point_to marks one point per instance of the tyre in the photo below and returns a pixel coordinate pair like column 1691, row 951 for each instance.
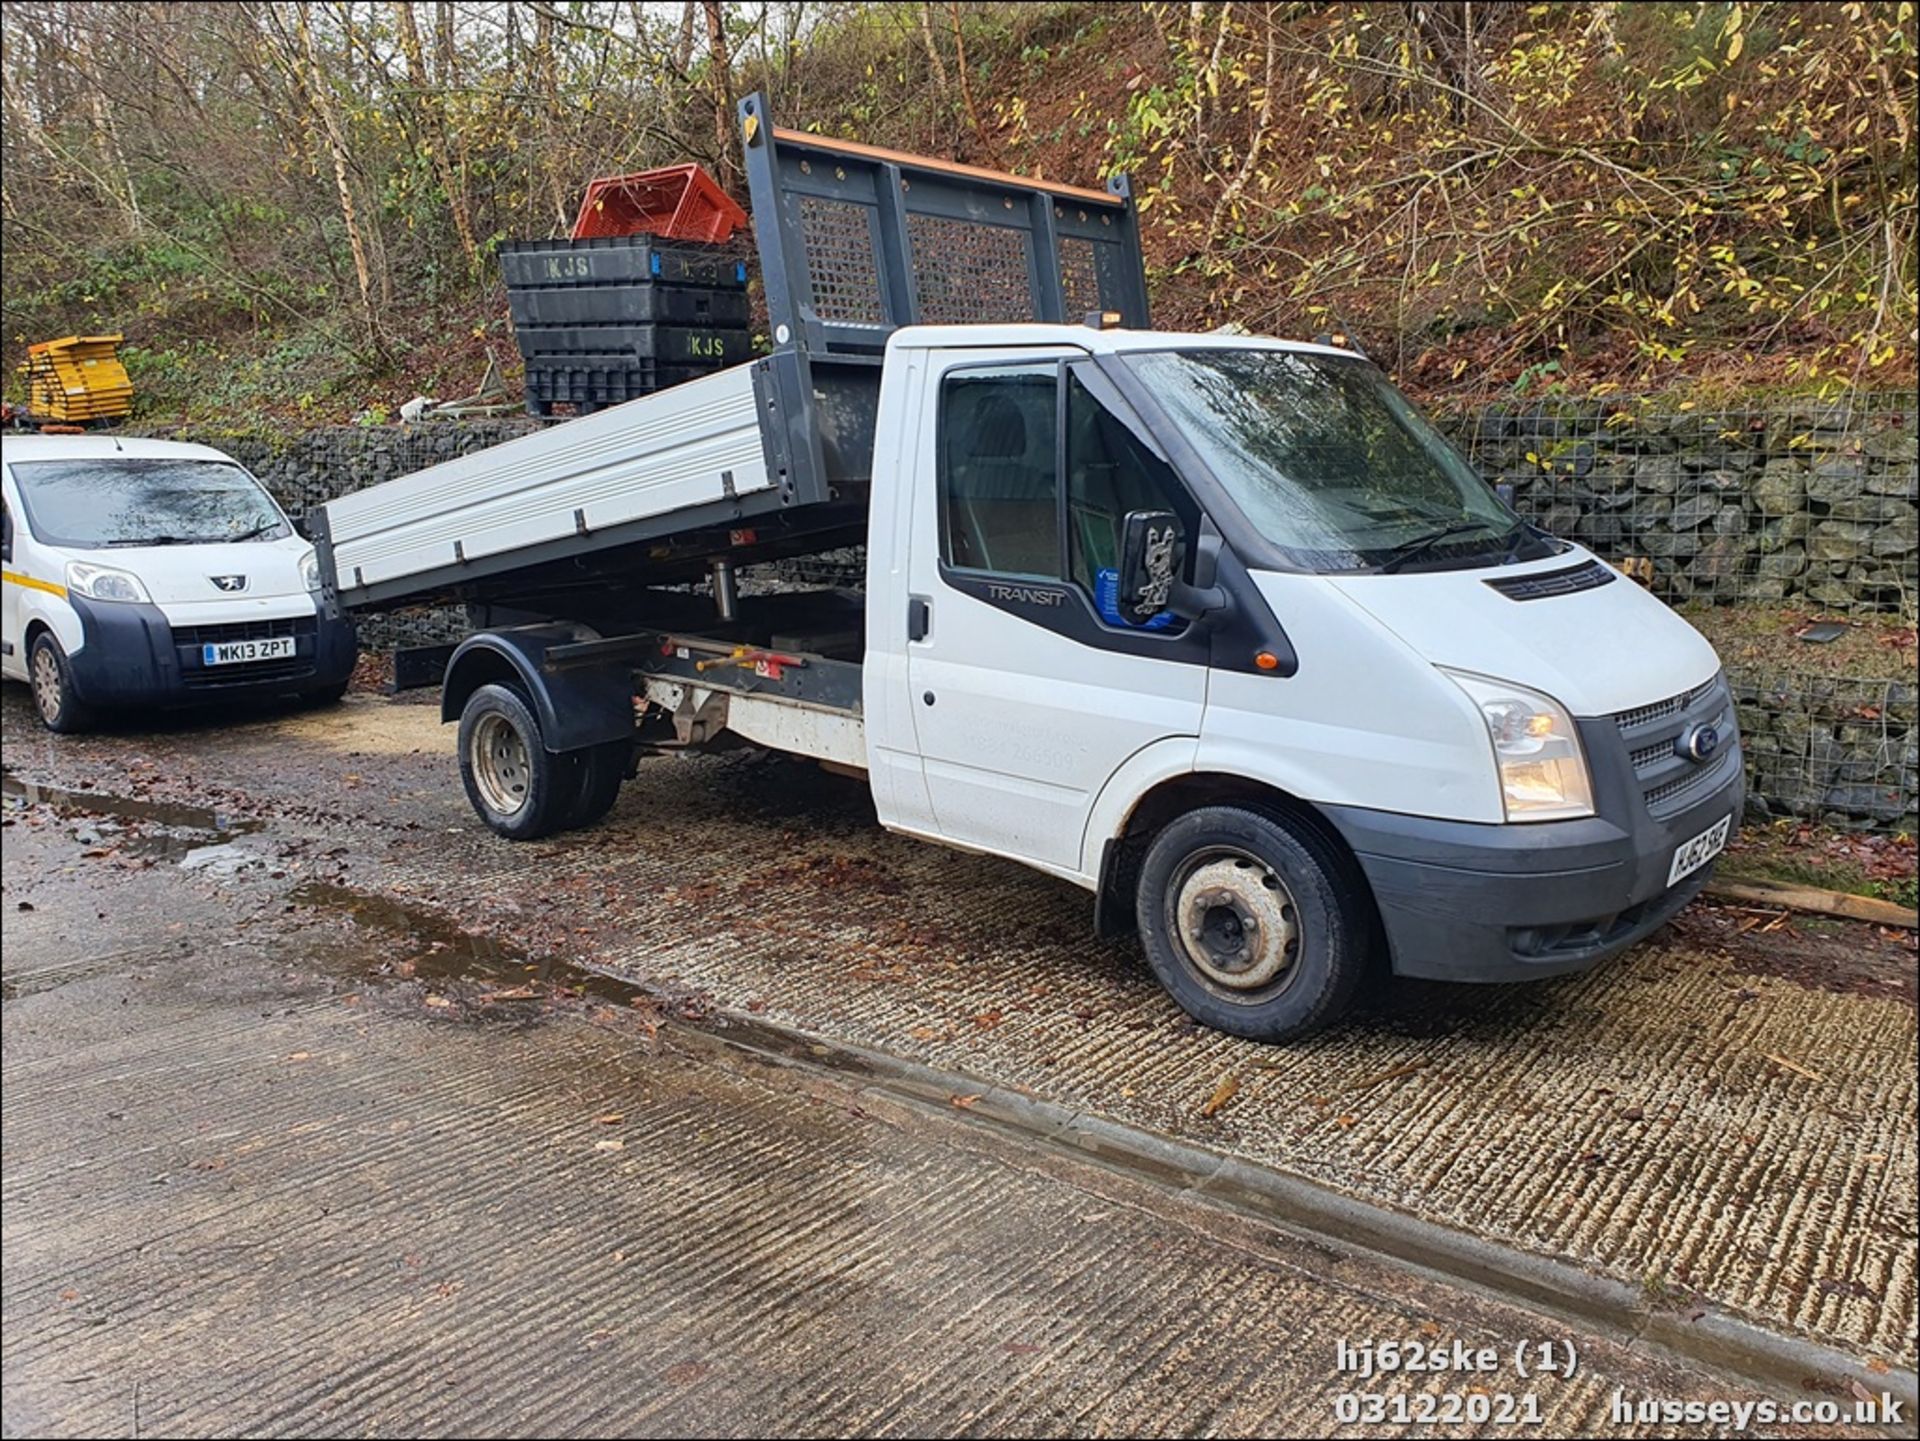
column 601, row 769
column 60, row 709
column 515, row 784
column 1254, row 923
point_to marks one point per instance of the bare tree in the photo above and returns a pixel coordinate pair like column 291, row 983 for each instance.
column 430, row 120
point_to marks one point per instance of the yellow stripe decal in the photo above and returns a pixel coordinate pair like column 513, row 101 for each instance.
column 13, row 577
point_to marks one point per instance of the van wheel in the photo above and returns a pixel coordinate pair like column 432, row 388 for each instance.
column 516, row 785
column 1252, row 922
column 602, row 768
column 60, row 710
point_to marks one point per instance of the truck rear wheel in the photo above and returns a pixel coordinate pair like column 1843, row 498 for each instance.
column 602, row 768
column 1251, row 922
column 522, row 790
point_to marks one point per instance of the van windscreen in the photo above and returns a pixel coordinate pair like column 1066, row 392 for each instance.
column 1327, row 461
column 131, row 500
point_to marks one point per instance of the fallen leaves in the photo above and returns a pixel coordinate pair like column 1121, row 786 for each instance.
column 610, row 1145
column 1228, row 1088
column 1390, row 1075
column 1795, row 1067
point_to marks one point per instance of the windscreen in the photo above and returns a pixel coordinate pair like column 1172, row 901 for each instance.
column 125, row 501
column 1326, row 458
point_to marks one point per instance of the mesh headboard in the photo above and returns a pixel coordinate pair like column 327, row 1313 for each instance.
column 856, row 241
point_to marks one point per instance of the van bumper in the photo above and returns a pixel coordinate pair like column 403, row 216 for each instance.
column 132, row 655
column 1466, row 902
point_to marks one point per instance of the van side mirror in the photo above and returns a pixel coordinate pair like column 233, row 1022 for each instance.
column 1151, row 548
column 301, row 528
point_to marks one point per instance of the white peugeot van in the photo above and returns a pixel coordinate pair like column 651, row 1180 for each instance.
column 151, row 573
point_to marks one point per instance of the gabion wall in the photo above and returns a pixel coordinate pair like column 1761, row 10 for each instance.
column 1805, row 502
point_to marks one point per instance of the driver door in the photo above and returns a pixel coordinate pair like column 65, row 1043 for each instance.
column 1026, row 697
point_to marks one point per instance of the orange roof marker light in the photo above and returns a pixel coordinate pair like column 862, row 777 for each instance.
column 677, row 202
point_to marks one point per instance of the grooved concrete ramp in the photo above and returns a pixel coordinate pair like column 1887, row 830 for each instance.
column 1724, row 1117
column 253, row 1187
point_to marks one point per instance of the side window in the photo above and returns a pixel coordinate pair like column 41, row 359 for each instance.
column 999, row 477
column 1110, row 471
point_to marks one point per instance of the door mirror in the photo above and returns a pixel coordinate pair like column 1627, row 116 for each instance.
column 301, row 528
column 1150, row 554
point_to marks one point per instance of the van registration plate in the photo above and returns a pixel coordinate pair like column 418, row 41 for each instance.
column 237, row 652
column 1697, row 852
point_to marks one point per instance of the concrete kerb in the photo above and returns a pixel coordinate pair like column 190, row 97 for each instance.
column 1558, row 1288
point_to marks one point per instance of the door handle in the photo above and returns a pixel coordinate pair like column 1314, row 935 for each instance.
column 919, row 617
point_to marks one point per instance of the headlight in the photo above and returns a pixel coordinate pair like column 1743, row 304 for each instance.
column 310, row 570
column 1543, row 773
column 103, row 582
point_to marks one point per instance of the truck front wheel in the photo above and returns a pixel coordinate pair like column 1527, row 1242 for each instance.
column 522, row 790
column 1251, row 922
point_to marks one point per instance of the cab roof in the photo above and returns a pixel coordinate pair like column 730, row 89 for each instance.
column 102, row 446
column 1116, row 341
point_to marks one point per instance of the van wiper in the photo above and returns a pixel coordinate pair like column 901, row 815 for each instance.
column 1413, row 549
column 153, row 540
column 257, row 530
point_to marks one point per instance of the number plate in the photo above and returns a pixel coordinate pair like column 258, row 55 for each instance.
column 238, row 652
column 1698, row 851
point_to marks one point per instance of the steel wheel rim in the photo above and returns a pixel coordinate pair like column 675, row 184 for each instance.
column 1235, row 922
column 500, row 765
column 46, row 683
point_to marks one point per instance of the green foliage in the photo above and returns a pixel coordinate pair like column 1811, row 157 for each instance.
column 287, row 204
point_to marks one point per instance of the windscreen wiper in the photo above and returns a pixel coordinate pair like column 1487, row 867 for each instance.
column 153, row 540
column 257, row 530
column 1400, row 554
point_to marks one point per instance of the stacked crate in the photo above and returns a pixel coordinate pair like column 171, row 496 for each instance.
column 604, row 320
column 77, row 380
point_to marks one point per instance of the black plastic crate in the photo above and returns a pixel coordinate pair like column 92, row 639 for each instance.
column 621, row 259
column 669, row 344
column 644, row 302
column 590, row 385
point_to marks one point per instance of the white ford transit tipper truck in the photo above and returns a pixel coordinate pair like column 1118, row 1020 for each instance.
column 1218, row 628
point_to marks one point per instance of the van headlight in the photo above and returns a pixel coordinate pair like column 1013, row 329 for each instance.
column 310, row 570
column 1536, row 748
column 103, row 582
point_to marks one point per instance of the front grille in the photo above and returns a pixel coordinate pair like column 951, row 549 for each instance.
column 261, row 672
column 1673, row 796
column 1539, row 586
column 1669, row 781
column 293, row 625
column 195, row 674
column 1646, row 715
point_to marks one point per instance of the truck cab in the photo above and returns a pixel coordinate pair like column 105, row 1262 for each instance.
column 1362, row 703
column 149, row 573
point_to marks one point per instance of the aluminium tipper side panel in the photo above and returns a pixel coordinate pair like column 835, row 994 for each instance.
column 683, row 449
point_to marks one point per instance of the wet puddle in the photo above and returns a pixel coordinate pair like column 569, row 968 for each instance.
column 196, row 836
column 496, row 980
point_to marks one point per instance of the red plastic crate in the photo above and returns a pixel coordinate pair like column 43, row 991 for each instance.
column 678, row 202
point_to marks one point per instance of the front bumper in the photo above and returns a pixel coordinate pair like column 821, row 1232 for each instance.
column 132, row 655
column 1467, row 902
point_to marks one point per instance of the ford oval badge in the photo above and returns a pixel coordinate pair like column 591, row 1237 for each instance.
column 1699, row 743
